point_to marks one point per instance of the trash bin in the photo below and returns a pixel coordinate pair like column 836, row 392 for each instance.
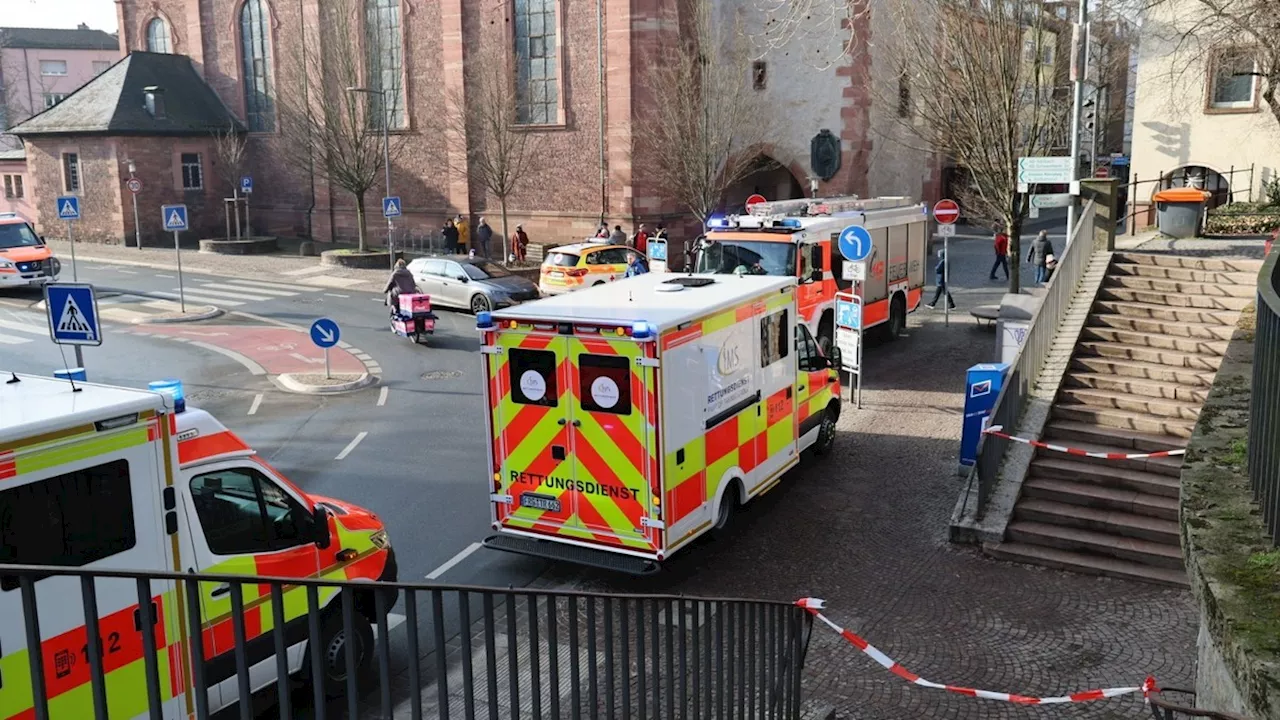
column 1180, row 211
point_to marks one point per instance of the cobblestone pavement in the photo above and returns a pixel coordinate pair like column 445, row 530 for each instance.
column 865, row 529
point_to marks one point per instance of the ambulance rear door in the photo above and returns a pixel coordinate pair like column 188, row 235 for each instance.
column 90, row 501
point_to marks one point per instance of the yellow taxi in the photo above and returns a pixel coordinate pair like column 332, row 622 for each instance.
column 573, row 267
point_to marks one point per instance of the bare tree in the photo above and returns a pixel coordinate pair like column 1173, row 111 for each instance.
column 501, row 154
column 323, row 123
column 700, row 132
column 229, row 148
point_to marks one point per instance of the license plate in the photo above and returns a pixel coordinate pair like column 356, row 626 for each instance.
column 540, row 502
column 557, row 274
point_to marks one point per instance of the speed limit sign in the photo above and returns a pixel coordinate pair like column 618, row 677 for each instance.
column 134, row 185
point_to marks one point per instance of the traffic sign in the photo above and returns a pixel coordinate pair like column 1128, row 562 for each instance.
column 946, row 231
column 855, row 243
column 73, row 314
column 1044, row 170
column 246, row 184
column 848, row 314
column 754, row 199
column 68, row 207
column 1102, row 172
column 134, row 185
column 946, row 212
column 1054, row 200
column 391, row 207
column 174, row 217
column 854, row 272
column 325, row 333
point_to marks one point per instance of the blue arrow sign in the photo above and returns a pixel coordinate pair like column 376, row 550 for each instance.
column 69, row 207
column 174, row 217
column 848, row 314
column 391, row 206
column 324, row 333
column 73, row 314
column 855, row 243
column 246, row 184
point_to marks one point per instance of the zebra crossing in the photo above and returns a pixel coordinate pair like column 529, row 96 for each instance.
column 232, row 293
column 16, row 331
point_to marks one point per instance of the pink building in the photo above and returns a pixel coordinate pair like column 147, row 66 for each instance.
column 39, row 67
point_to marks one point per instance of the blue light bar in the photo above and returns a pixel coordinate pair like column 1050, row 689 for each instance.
column 791, row 223
column 172, row 388
column 484, row 320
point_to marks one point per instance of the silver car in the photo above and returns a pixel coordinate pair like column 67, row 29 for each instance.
column 476, row 285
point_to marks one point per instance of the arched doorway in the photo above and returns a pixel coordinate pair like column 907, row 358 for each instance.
column 769, row 178
column 1202, row 178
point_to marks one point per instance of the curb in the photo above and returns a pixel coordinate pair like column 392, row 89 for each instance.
column 287, row 382
column 211, row 312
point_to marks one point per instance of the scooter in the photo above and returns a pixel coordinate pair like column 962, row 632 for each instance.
column 411, row 317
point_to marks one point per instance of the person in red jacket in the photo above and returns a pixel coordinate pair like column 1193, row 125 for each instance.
column 1002, row 255
column 642, row 240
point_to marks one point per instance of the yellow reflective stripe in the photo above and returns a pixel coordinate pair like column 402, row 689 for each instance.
column 695, row 459
column 720, row 321
column 716, row 472
column 781, row 300
column 103, row 443
column 780, row 434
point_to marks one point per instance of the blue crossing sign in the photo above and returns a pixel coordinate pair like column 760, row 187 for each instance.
column 324, row 333
column 849, row 314
column 855, row 243
column 68, row 207
column 391, row 207
column 246, row 184
column 73, row 314
column 174, row 217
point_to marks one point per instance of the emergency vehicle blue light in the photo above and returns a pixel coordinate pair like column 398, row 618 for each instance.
column 172, row 388
column 641, row 331
column 790, row 222
column 484, row 321
column 718, row 222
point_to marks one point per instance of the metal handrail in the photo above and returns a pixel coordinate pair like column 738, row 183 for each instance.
column 1264, row 399
column 1172, row 710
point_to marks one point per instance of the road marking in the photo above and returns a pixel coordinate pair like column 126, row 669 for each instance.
column 462, row 555
column 10, row 340
column 127, row 272
column 337, row 295
column 306, row 271
column 257, row 400
column 351, row 446
column 245, row 287
column 24, row 327
column 382, row 396
column 253, row 367
column 241, row 293
column 379, row 299
column 164, row 276
column 190, row 296
column 268, row 285
column 308, row 360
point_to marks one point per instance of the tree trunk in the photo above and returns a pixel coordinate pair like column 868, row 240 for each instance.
column 235, row 194
column 360, row 224
column 506, row 235
column 1014, row 229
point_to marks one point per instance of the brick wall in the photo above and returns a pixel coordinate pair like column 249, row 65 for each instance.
column 99, row 193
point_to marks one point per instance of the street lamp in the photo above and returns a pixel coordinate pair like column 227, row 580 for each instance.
column 1079, row 63
column 386, row 154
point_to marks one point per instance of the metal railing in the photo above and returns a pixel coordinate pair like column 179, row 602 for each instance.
column 1034, row 351
column 1264, row 403
column 1163, row 708
column 496, row 653
column 1140, row 191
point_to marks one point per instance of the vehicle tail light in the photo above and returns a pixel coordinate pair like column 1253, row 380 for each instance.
column 576, row 272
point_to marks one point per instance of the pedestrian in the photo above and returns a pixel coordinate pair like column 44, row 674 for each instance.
column 661, row 232
column 602, row 232
column 634, row 266
column 642, row 240
column 1002, row 255
column 519, row 241
column 617, row 237
column 1041, row 256
column 940, row 273
column 450, row 234
column 484, row 234
column 464, row 234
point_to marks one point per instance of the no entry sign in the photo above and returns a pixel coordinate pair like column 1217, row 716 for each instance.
column 946, row 212
column 755, row 199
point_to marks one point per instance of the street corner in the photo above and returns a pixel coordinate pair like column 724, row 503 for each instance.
column 286, row 355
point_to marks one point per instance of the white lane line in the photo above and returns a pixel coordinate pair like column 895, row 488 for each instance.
column 164, row 276
column 127, row 272
column 10, row 340
column 266, row 285
column 257, row 400
column 199, row 298
column 253, row 367
column 23, row 327
column 249, row 288
column 351, row 446
column 336, row 295
column 382, row 396
column 240, row 295
column 448, row 565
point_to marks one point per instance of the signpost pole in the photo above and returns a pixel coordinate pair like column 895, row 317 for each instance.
column 946, row 279
column 858, row 403
column 79, row 357
column 326, row 364
column 137, row 229
column 74, row 274
column 182, row 293
column 1079, row 60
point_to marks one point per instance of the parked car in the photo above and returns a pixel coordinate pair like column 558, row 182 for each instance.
column 25, row 260
column 573, row 267
column 477, row 285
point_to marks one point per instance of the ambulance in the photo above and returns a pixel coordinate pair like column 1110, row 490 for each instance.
column 799, row 238
column 629, row 419
column 107, row 478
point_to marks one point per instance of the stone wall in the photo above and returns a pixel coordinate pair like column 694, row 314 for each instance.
column 1233, row 568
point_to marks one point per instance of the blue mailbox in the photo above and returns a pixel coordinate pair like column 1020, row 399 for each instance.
column 981, row 388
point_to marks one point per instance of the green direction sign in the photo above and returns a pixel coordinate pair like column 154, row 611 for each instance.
column 1044, row 170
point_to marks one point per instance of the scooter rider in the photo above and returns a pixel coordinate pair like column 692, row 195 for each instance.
column 401, row 282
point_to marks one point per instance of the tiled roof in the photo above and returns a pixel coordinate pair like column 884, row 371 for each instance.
column 58, row 39
column 11, row 155
column 113, row 103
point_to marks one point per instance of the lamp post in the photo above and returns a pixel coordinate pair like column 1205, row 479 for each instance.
column 386, row 154
column 137, row 231
column 1079, row 63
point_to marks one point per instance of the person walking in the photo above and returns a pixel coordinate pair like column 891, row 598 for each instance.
column 617, row 237
column 940, row 273
column 450, row 234
column 634, row 266
column 1041, row 256
column 519, row 241
column 1002, row 255
column 464, row 234
column 484, row 234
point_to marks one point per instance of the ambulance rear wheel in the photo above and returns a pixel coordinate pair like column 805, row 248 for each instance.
column 333, row 652
column 728, row 504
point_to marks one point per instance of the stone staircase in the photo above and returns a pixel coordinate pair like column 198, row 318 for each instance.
column 1136, row 381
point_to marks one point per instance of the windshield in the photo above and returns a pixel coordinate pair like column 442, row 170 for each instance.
column 17, row 235
column 758, row 258
column 562, row 259
column 485, row 270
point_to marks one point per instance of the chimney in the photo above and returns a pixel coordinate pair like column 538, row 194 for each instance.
column 82, row 26
column 154, row 101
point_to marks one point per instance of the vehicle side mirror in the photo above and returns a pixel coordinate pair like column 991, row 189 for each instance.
column 462, row 278
column 322, row 537
column 815, row 275
column 42, row 240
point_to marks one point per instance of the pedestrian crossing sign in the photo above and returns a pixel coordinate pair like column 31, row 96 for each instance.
column 174, row 217
column 391, row 207
column 69, row 207
column 73, row 314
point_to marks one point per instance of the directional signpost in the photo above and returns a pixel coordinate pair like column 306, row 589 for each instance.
column 73, row 318
column 1043, row 171
column 325, row 334
column 174, row 219
column 849, row 340
column 69, row 210
column 946, row 213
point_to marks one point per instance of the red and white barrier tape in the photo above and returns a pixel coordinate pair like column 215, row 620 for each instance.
column 813, row 605
column 997, row 430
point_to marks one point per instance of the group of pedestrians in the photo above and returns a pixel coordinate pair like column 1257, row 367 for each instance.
column 1040, row 255
column 458, row 241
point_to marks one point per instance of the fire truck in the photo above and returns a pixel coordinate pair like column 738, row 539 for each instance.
column 799, row 238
